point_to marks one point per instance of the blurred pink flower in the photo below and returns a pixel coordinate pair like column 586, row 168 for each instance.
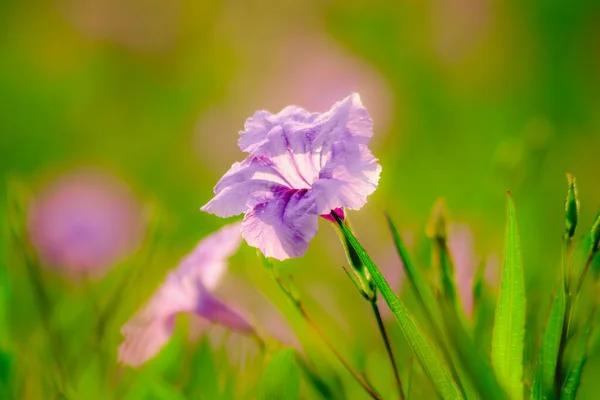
column 187, row 289
column 152, row 27
column 315, row 71
column 311, row 70
column 85, row 222
column 300, row 165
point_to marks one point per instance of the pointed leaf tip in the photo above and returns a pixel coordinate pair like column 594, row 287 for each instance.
column 436, row 227
column 509, row 324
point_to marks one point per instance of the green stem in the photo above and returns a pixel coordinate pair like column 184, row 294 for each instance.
column 567, row 316
column 588, row 264
column 388, row 347
column 302, row 310
column 363, row 282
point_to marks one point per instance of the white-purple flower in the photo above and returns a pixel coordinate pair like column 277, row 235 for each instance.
column 84, row 222
column 187, row 289
column 300, row 165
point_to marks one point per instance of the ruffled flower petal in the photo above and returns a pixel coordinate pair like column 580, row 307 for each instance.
column 253, row 138
column 144, row 340
column 347, row 179
column 282, row 227
column 300, row 165
column 347, row 121
column 245, row 185
column 207, row 262
column 152, row 327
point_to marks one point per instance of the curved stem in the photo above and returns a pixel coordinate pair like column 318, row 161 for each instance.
column 388, row 346
column 339, row 356
column 300, row 307
column 566, row 268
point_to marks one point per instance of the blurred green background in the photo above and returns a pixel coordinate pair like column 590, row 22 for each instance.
column 470, row 98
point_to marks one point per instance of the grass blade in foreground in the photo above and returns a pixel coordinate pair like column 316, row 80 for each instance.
column 281, row 379
column 429, row 304
column 543, row 382
column 484, row 304
column 474, row 362
column 573, row 375
column 432, row 364
column 442, row 260
column 423, row 291
column 509, row 325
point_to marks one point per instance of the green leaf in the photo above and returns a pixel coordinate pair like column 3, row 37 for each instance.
column 203, row 378
column 281, row 379
column 409, row 380
column 5, row 373
column 543, row 381
column 434, row 366
column 424, row 294
column 573, row 377
column 428, row 302
column 443, row 259
column 473, row 360
column 315, row 379
column 509, row 325
column 484, row 303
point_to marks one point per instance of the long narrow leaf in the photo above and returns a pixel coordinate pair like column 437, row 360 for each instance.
column 432, row 364
column 474, row 362
column 441, row 256
column 424, row 294
column 484, row 303
column 429, row 304
column 281, row 379
column 543, row 381
column 509, row 325
column 573, row 376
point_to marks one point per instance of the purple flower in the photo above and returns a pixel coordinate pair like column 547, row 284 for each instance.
column 85, row 222
column 187, row 289
column 300, row 165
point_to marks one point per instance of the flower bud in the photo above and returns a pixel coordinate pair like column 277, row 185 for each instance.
column 572, row 208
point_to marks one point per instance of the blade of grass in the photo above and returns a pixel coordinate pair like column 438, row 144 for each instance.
column 281, row 378
column 428, row 303
column 424, row 294
column 473, row 360
column 573, row 375
column 483, row 309
column 572, row 211
column 291, row 293
column 364, row 283
column 409, row 380
column 432, row 364
column 442, row 257
column 509, row 322
column 544, row 378
column 317, row 382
